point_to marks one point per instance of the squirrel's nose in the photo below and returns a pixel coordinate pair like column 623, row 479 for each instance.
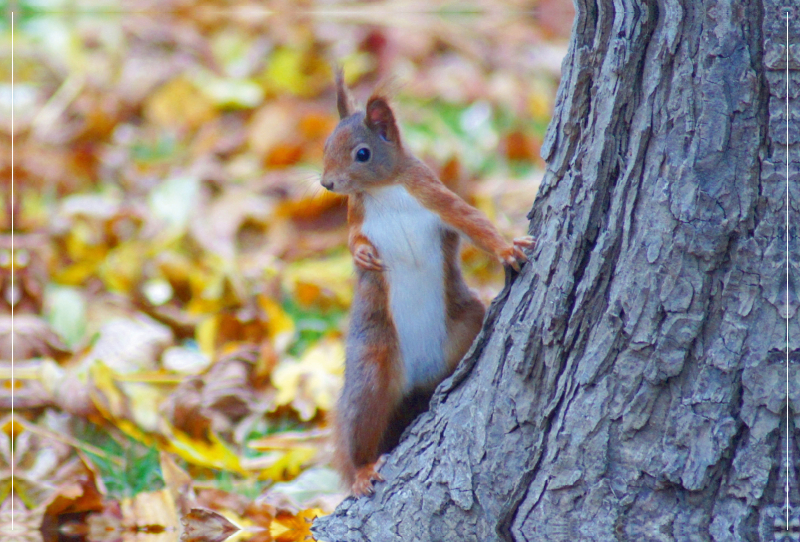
column 327, row 184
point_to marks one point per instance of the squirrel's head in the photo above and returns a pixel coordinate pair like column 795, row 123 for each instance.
column 364, row 150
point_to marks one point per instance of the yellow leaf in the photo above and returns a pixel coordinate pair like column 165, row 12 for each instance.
column 175, row 267
column 313, row 382
column 214, row 454
column 321, row 282
column 84, row 242
column 122, row 268
column 85, row 249
column 77, row 273
column 106, row 395
column 294, row 528
column 112, row 403
column 144, row 400
column 296, row 71
column 356, row 65
column 280, row 325
column 206, row 335
column 540, row 102
column 179, row 103
column 289, row 464
column 214, row 286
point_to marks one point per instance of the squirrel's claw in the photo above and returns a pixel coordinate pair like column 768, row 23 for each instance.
column 526, row 241
column 513, row 255
column 513, row 261
column 364, row 477
column 366, row 259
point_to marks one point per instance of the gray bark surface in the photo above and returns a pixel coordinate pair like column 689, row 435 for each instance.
column 630, row 384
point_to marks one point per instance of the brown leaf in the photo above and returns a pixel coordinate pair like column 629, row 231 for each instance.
column 217, row 499
column 294, row 528
column 152, row 511
column 32, row 338
column 105, row 526
column 179, row 103
column 184, row 408
column 75, row 495
column 27, row 523
column 27, row 389
column 519, row 146
column 179, row 483
column 203, row 525
column 73, row 394
column 128, row 345
column 272, row 123
column 30, row 256
column 216, row 228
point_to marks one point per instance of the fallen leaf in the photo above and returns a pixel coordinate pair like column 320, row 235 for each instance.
column 281, row 327
column 226, row 92
column 213, row 453
column 178, row 482
column 309, row 489
column 173, row 201
column 181, row 359
column 294, row 528
column 203, row 525
column 272, row 123
column 322, row 283
column 66, row 312
column 127, row 345
column 296, row 71
column 32, row 338
column 314, row 381
column 179, row 103
column 152, row 511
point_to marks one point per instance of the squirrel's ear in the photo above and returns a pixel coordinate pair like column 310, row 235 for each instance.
column 380, row 119
column 344, row 103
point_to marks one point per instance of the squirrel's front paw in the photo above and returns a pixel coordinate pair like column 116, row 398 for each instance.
column 513, row 255
column 364, row 477
column 526, row 241
column 366, row 259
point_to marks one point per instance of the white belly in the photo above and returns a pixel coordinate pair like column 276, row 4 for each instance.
column 409, row 241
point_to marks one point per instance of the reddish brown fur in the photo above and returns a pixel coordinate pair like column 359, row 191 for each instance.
column 464, row 310
column 355, row 218
column 344, row 102
column 373, row 381
column 423, row 184
column 373, row 410
column 380, row 119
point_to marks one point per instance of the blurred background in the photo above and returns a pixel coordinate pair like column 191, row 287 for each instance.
column 181, row 280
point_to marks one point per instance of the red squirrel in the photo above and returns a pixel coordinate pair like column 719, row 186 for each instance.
column 413, row 317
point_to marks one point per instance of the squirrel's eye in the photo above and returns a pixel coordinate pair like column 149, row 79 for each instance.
column 362, row 154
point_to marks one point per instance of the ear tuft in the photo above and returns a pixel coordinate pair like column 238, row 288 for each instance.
column 344, row 102
column 380, row 119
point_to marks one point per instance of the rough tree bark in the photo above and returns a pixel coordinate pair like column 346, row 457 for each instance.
column 631, row 383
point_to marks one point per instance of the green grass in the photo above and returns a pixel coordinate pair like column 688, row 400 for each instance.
column 311, row 324
column 136, row 468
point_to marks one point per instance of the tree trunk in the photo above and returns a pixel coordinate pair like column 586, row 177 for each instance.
column 631, row 383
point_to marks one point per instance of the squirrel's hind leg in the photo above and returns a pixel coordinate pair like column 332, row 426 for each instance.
column 373, row 383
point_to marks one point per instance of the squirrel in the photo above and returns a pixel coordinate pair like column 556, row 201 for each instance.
column 412, row 317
